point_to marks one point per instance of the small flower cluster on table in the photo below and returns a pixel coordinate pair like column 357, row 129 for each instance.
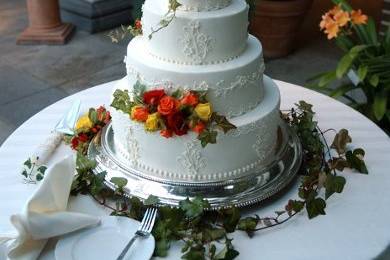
column 172, row 114
column 88, row 128
column 337, row 20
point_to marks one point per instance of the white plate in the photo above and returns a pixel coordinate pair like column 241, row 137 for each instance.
column 105, row 241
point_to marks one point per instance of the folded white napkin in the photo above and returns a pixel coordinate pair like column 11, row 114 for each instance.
column 45, row 216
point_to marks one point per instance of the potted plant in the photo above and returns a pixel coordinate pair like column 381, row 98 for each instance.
column 365, row 64
column 276, row 23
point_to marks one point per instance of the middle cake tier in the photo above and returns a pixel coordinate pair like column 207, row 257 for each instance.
column 234, row 87
column 252, row 145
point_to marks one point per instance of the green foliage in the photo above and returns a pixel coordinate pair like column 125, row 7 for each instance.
column 122, row 101
column 208, row 137
column 368, row 55
column 198, row 228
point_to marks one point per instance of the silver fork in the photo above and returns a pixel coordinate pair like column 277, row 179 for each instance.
column 144, row 230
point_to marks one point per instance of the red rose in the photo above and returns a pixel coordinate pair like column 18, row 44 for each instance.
column 168, row 106
column 199, row 128
column 176, row 123
column 83, row 138
column 191, row 99
column 75, row 143
column 152, row 97
column 166, row 133
column 107, row 118
column 138, row 24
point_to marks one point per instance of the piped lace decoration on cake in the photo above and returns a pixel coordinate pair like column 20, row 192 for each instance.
column 132, row 147
column 192, row 159
column 204, row 5
column 261, row 147
column 196, row 45
column 241, row 81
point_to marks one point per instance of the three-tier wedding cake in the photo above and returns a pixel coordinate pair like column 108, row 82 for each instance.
column 206, row 47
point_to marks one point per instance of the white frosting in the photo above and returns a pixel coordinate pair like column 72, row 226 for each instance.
column 196, row 37
column 203, row 5
column 235, row 87
column 242, row 150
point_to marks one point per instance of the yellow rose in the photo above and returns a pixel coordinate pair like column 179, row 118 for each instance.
column 84, row 123
column 151, row 123
column 204, row 111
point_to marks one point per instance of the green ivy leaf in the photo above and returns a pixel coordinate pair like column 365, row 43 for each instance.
column 208, row 137
column 222, row 123
column 194, row 208
column 195, row 253
column 39, row 177
column 28, row 163
column 42, row 169
column 212, row 234
column 340, row 141
column 24, row 173
column 84, row 164
column 334, row 184
column 248, row 225
column 151, row 200
column 356, row 162
column 97, row 184
column 119, row 182
column 231, row 217
column 227, row 253
column 122, row 101
column 315, row 207
column 162, row 247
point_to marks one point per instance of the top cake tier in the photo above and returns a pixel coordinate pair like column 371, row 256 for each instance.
column 195, row 38
column 203, row 5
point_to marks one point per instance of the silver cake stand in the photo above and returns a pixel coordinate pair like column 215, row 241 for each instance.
column 252, row 188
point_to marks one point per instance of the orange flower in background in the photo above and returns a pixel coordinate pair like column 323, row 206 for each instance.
column 335, row 10
column 358, row 18
column 326, row 20
column 342, row 18
column 332, row 30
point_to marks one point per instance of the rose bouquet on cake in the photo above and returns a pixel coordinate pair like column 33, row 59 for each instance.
column 172, row 113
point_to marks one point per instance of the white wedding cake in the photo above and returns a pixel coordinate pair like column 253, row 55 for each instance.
column 206, row 47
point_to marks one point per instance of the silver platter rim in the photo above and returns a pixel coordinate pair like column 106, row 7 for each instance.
column 250, row 189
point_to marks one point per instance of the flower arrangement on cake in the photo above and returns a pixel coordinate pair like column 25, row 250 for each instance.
column 174, row 113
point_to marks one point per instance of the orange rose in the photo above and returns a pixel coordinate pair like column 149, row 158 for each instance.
column 191, row 99
column 168, row 106
column 139, row 113
column 166, row 133
column 199, row 128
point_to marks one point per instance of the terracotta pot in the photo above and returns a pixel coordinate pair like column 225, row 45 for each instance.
column 276, row 24
column 45, row 26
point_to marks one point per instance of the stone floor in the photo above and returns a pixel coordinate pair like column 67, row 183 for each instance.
column 32, row 77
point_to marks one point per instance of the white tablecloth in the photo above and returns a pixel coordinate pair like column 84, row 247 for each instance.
column 357, row 224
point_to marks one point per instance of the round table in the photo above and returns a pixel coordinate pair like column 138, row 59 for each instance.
column 357, row 224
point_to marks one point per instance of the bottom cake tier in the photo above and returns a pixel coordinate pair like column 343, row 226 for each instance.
column 258, row 137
